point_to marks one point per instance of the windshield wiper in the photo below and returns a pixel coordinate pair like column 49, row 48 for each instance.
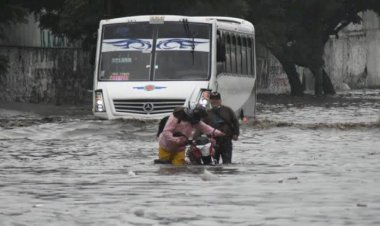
column 189, row 34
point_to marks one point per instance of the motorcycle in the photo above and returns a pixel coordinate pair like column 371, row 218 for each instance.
column 200, row 151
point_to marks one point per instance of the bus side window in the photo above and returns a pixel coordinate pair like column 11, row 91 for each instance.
column 228, row 53
column 244, row 65
column 220, row 53
column 233, row 54
column 220, row 48
column 253, row 52
column 249, row 56
column 238, row 54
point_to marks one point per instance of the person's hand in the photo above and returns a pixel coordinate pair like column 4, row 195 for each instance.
column 235, row 137
column 216, row 133
column 189, row 142
column 212, row 152
column 182, row 141
column 219, row 133
column 213, row 141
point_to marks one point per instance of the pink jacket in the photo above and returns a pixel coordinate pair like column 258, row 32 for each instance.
column 168, row 142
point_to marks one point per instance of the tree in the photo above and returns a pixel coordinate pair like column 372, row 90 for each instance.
column 79, row 19
column 10, row 12
column 296, row 31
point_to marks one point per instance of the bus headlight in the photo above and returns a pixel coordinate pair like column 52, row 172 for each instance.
column 99, row 103
column 204, row 98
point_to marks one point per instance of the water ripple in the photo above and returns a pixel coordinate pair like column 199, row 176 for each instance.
column 315, row 166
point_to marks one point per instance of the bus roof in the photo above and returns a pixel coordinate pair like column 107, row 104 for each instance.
column 227, row 23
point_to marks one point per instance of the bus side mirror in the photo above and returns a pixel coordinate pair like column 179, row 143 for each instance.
column 220, row 51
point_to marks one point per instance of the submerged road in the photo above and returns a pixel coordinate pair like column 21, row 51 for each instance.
column 306, row 161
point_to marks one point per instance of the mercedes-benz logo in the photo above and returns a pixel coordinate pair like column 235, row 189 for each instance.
column 148, row 107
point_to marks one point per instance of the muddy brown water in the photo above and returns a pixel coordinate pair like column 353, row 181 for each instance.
column 299, row 164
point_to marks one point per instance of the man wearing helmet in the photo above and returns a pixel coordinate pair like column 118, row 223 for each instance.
column 179, row 127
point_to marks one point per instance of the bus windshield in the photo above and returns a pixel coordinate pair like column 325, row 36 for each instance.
column 182, row 51
column 142, row 51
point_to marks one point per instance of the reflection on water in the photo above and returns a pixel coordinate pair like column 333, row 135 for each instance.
column 308, row 171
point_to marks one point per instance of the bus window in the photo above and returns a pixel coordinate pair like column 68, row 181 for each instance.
column 224, row 40
column 182, row 51
column 220, row 48
column 253, row 54
column 233, row 54
column 249, row 56
column 126, row 52
column 228, row 53
column 220, row 53
column 238, row 54
column 244, row 56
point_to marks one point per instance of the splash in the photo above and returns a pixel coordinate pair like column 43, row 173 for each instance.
column 208, row 176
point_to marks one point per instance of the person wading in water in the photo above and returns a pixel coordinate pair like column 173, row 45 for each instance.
column 179, row 127
column 224, row 119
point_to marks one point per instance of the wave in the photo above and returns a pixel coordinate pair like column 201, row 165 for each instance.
column 24, row 122
column 267, row 124
column 258, row 124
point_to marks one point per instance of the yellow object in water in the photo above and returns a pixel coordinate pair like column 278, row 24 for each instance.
column 176, row 158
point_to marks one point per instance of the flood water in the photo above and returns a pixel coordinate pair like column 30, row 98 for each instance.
column 298, row 165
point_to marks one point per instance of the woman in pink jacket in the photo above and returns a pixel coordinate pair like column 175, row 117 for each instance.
column 183, row 121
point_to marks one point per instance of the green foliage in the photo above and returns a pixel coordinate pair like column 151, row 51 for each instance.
column 10, row 12
column 303, row 27
column 294, row 30
column 79, row 19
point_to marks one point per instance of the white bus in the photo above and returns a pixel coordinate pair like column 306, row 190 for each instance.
column 148, row 65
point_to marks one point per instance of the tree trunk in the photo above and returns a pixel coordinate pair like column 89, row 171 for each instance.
column 328, row 87
column 296, row 88
column 323, row 84
column 318, row 81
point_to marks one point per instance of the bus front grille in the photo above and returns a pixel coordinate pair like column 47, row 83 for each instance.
column 147, row 107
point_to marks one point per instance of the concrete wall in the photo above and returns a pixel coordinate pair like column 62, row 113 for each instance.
column 50, row 75
column 271, row 78
column 43, row 67
column 352, row 60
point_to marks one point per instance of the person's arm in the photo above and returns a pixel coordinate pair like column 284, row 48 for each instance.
column 169, row 129
column 206, row 129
